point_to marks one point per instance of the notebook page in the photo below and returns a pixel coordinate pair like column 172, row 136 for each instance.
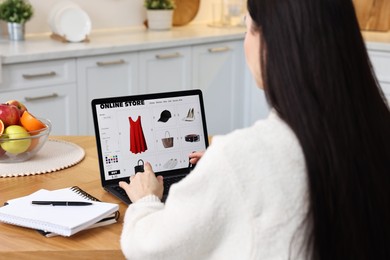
column 63, row 220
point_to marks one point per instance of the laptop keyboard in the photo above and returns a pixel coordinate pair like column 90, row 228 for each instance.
column 122, row 194
column 167, row 185
column 171, row 180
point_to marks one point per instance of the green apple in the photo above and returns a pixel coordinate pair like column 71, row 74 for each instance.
column 20, row 145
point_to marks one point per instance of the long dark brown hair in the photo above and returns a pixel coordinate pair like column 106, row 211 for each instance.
column 318, row 77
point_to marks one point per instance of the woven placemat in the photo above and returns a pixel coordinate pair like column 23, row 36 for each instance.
column 55, row 155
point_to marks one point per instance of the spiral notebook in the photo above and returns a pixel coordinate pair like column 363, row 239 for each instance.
column 111, row 219
column 61, row 220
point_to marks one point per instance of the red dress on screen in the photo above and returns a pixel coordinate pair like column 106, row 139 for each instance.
column 137, row 137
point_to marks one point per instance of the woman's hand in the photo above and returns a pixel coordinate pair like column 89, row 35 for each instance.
column 143, row 184
column 195, row 157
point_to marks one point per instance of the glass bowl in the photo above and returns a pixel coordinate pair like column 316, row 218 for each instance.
column 20, row 149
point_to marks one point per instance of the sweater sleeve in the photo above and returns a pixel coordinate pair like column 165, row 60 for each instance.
column 197, row 220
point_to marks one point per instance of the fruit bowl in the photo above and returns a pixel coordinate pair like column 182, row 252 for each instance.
column 20, row 147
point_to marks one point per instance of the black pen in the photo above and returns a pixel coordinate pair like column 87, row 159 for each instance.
column 61, row 203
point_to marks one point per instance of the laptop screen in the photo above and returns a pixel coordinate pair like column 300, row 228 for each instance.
column 162, row 129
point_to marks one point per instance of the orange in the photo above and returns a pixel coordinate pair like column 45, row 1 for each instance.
column 34, row 142
column 1, row 127
column 30, row 122
column 1, row 132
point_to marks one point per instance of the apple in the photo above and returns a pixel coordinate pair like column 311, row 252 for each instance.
column 2, row 152
column 9, row 114
column 15, row 146
column 18, row 104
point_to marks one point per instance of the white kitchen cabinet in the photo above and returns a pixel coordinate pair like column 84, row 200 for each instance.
column 58, row 104
column 381, row 62
column 256, row 106
column 164, row 70
column 47, row 88
column 386, row 90
column 104, row 76
column 218, row 70
column 37, row 74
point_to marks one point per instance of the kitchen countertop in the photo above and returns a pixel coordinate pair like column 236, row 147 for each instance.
column 41, row 47
column 38, row 47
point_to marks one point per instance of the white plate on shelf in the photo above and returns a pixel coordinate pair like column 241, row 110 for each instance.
column 73, row 23
column 54, row 10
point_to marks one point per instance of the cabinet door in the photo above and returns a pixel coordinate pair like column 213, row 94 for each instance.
column 256, row 106
column 386, row 90
column 29, row 75
column 381, row 63
column 103, row 76
column 58, row 104
column 165, row 70
column 218, row 70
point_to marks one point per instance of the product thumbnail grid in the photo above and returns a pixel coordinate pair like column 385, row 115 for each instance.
column 161, row 131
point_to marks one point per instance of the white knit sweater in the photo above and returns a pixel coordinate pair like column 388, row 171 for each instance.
column 245, row 199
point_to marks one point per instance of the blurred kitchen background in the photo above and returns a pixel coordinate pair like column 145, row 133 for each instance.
column 105, row 14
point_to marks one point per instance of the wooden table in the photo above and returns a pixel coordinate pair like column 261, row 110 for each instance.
column 100, row 243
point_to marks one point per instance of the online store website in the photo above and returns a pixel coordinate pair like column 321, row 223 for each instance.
column 162, row 132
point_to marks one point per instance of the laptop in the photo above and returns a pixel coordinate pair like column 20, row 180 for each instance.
column 160, row 128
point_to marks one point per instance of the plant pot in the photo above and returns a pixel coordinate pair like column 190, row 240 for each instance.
column 16, row 31
column 159, row 19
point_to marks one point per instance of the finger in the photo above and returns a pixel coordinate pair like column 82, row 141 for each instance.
column 196, row 155
column 132, row 177
column 160, row 179
column 194, row 160
column 148, row 167
column 123, row 184
column 193, row 155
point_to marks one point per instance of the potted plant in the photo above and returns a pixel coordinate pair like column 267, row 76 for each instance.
column 16, row 13
column 159, row 14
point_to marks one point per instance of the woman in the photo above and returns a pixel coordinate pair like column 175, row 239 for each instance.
column 309, row 182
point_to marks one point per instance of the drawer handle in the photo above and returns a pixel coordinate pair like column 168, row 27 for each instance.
column 109, row 63
column 168, row 56
column 54, row 95
column 219, row 49
column 41, row 75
